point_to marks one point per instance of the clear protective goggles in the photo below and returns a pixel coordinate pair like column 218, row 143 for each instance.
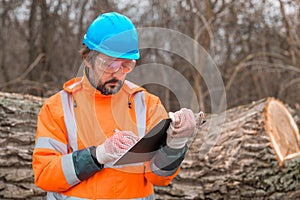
column 113, row 65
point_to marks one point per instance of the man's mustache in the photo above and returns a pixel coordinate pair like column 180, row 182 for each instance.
column 113, row 81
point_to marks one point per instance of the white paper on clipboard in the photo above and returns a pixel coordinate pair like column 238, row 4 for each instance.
column 147, row 146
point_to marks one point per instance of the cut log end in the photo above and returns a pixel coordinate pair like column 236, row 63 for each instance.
column 282, row 130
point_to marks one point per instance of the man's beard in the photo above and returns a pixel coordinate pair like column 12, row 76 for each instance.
column 105, row 89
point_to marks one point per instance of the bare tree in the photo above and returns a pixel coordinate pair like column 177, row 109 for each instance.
column 254, row 44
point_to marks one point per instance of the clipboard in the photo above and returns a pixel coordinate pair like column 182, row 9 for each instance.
column 147, row 146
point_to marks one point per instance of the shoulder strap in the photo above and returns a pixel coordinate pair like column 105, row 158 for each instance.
column 140, row 112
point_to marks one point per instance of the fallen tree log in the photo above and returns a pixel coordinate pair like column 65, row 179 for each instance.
column 242, row 163
column 18, row 117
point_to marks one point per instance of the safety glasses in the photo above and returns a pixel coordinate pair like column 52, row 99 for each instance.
column 114, row 65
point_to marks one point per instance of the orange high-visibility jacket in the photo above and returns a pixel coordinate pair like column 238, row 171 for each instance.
column 74, row 121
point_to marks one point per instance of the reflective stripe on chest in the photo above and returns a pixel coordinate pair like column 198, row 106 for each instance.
column 70, row 121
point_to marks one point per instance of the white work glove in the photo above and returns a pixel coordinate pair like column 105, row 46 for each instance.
column 115, row 146
column 182, row 127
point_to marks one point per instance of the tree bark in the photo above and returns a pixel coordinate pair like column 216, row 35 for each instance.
column 18, row 116
column 241, row 163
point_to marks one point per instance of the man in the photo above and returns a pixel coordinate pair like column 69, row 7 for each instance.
column 96, row 118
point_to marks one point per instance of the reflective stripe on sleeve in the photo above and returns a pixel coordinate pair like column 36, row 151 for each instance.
column 69, row 118
column 69, row 169
column 66, row 159
column 140, row 112
column 50, row 143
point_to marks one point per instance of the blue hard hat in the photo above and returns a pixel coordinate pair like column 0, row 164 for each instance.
column 114, row 35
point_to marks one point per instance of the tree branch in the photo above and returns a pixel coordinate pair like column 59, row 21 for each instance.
column 25, row 73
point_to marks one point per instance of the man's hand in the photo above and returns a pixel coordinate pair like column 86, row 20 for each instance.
column 115, row 146
column 182, row 127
